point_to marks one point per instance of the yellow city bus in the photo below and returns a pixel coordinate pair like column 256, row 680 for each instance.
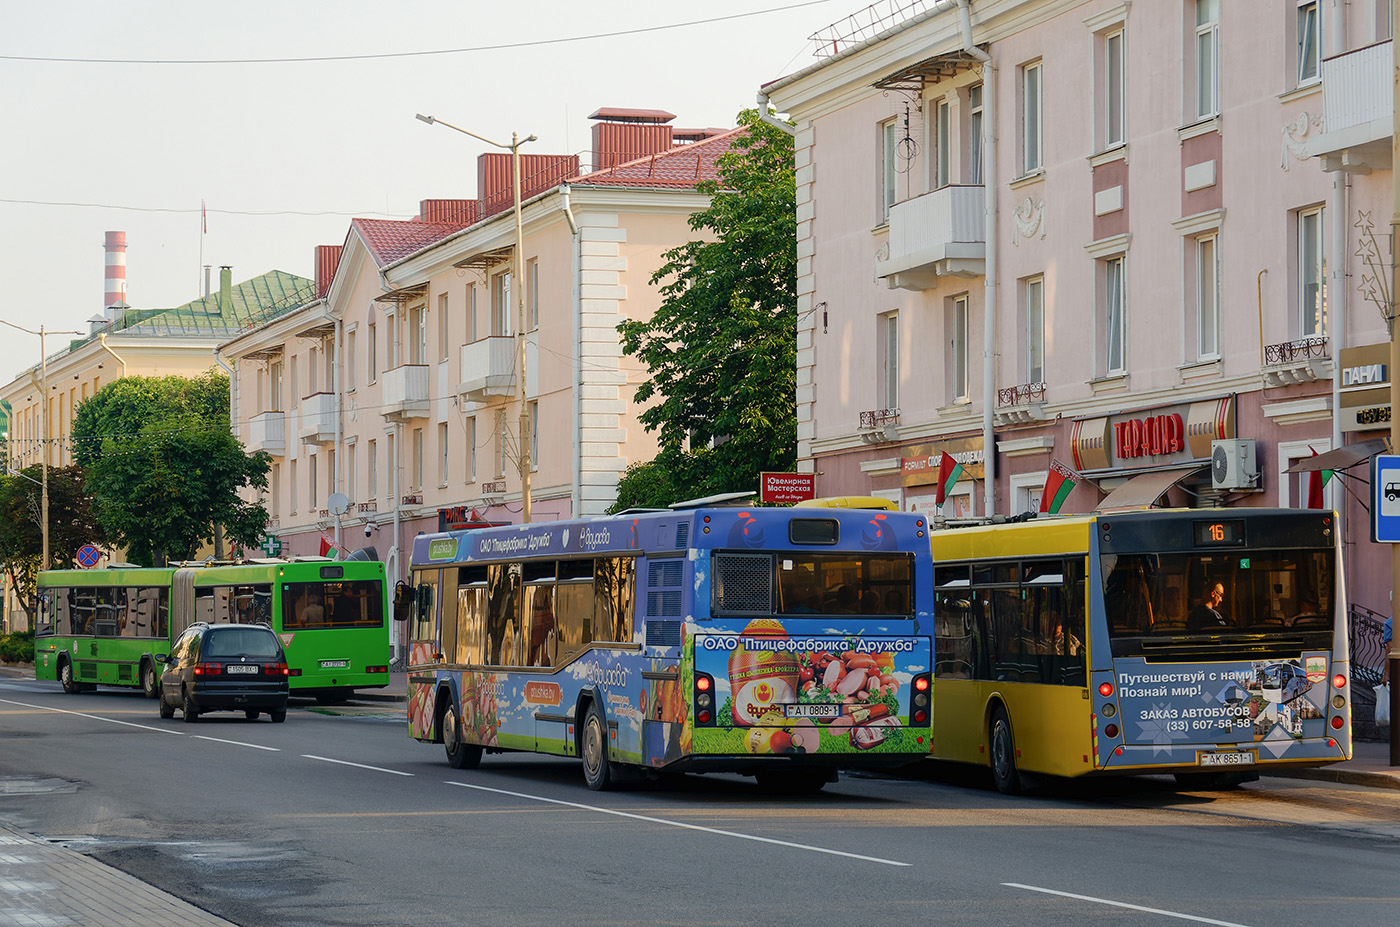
column 1205, row 644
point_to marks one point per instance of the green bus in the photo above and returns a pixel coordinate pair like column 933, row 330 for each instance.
column 109, row 626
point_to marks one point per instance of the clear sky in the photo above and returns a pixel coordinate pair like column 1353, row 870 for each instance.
column 285, row 153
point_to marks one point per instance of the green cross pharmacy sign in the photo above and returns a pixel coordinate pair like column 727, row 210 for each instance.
column 272, row 545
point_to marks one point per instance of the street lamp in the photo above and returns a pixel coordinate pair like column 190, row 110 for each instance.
column 518, row 285
column 43, row 429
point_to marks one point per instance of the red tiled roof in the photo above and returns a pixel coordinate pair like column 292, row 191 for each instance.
column 680, row 167
column 391, row 239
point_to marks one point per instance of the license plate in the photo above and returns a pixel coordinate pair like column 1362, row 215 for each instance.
column 1227, row 759
column 334, row 664
column 249, row 669
column 812, row 711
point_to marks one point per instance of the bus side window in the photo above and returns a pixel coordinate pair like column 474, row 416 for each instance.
column 471, row 615
column 503, row 614
column 613, row 583
column 573, row 608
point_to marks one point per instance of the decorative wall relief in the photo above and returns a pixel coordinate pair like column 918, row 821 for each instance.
column 1029, row 219
column 1296, row 135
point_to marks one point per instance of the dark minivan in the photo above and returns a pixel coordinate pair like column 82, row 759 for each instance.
column 225, row 667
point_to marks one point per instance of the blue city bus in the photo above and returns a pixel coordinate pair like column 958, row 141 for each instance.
column 782, row 643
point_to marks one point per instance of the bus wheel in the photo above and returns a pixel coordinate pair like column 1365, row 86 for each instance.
column 65, row 676
column 460, row 754
column 149, row 684
column 1004, row 772
column 597, row 771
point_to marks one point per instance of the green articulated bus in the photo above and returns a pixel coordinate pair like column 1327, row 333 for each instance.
column 108, row 626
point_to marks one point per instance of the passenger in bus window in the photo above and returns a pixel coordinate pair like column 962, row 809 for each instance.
column 1206, row 614
column 870, row 602
column 894, row 603
column 313, row 613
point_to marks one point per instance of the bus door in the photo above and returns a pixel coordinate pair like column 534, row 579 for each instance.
column 424, row 626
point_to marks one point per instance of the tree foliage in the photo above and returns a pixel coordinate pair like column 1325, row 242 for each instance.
column 71, row 525
column 164, row 467
column 721, row 348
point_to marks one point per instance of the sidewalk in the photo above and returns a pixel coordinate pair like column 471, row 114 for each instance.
column 1369, row 765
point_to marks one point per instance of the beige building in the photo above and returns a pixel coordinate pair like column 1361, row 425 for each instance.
column 400, row 389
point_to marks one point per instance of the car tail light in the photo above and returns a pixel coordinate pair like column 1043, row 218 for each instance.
column 208, row 669
column 1106, row 689
column 276, row 669
column 704, row 699
column 376, row 669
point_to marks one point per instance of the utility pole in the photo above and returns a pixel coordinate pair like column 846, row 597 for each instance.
column 1394, row 372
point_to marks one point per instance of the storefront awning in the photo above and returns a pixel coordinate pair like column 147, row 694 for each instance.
column 1342, row 458
column 1143, row 490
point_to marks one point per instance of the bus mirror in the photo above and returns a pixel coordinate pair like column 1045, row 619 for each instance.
column 403, row 600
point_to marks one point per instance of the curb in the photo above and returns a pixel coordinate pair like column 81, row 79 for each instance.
column 1346, row 776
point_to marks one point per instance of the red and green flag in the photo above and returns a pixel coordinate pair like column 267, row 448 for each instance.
column 1317, row 479
column 948, row 472
column 1058, row 485
column 328, row 548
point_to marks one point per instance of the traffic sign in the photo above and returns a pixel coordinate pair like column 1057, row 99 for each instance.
column 272, row 545
column 88, row 556
column 1385, row 498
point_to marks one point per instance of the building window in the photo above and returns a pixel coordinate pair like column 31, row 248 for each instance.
column 534, row 435
column 974, row 134
column 500, row 304
column 292, row 488
column 889, row 166
column 1115, row 295
column 312, row 372
column 391, row 324
column 889, row 361
column 1032, row 156
column 292, row 380
column 443, row 336
column 502, row 436
column 352, row 481
column 276, row 487
column 1312, row 274
column 1035, row 329
column 471, row 312
column 391, row 460
column 442, row 453
column 471, row 450
column 1207, row 58
column 943, row 144
column 350, row 360
column 1207, row 289
column 1113, row 90
column 532, row 291
column 311, row 471
column 1309, row 24
column 372, row 470
column 372, row 353
column 418, row 335
column 417, row 459
column 274, row 379
column 957, row 349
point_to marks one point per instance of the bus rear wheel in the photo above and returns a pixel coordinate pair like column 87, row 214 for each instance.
column 460, row 754
column 1004, row 773
column 597, row 771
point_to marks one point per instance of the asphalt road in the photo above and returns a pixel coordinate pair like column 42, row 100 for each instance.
column 344, row 820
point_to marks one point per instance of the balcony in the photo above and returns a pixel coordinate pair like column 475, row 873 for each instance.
column 318, row 419
column 1293, row 362
column 938, row 234
column 266, row 432
column 488, row 368
column 404, row 393
column 1021, row 404
column 370, row 506
column 879, row 426
column 1357, row 105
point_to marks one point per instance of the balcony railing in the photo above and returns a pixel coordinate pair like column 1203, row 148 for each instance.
column 1020, row 395
column 1020, row 404
column 877, row 417
column 1357, row 101
column 370, row 506
column 405, row 392
column 318, row 418
column 412, row 498
column 488, row 368
column 939, row 234
column 266, row 432
column 1298, row 361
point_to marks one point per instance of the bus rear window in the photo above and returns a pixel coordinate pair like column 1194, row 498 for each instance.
column 796, row 583
column 354, row 604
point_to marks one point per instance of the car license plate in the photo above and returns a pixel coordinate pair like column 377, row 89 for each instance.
column 334, row 664
column 250, row 669
column 1227, row 759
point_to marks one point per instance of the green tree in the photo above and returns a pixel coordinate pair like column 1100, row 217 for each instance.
column 164, row 469
column 71, row 525
column 721, row 348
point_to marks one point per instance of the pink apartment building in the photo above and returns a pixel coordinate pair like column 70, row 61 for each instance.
column 1132, row 238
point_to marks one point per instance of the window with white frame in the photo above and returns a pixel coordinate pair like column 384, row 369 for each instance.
column 889, row 359
column 502, row 438
column 312, row 471
column 1309, row 41
column 889, row 166
column 1115, row 310
column 471, row 449
column 1207, row 293
column 371, row 352
column 292, row 488
column 1026, row 489
column 973, row 147
column 1382, row 18
column 292, row 380
column 352, row 473
column 1207, row 58
column 391, row 328
column 1312, row 273
column 500, row 304
column 956, row 364
column 442, row 453
column 1032, row 136
column 418, row 334
column 471, row 312
column 417, row 460
column 372, row 469
column 1295, row 488
column 312, row 371
column 534, row 435
column 351, row 360
column 1113, row 89
column 943, row 144
column 274, row 386
column 1033, row 290
column 532, row 292
column 443, row 328
column 391, row 463
column 275, row 485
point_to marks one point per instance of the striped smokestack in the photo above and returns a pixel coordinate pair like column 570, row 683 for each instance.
column 115, row 243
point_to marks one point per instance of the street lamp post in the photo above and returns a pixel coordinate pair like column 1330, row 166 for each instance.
column 43, row 430
column 518, row 286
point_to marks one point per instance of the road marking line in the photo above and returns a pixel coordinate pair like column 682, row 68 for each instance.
column 1124, row 904
column 237, row 743
column 707, row 830
column 64, row 711
column 326, row 759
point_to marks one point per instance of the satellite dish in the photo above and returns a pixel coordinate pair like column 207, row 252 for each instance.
column 338, row 503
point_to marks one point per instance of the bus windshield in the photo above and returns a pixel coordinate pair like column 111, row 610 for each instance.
column 349, row 604
column 1160, row 603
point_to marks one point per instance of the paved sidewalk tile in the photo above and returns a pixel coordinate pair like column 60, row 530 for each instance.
column 45, row 885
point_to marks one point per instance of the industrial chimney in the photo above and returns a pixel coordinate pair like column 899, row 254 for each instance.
column 115, row 243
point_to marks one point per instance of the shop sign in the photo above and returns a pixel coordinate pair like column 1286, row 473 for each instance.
column 787, row 488
column 1152, row 437
column 1365, row 387
column 919, row 464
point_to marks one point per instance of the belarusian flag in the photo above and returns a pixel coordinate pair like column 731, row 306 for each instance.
column 948, row 472
column 1058, row 485
column 1317, row 479
column 328, row 548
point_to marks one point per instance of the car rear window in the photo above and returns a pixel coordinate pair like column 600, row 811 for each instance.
column 240, row 642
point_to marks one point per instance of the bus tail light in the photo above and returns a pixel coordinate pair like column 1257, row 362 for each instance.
column 704, row 699
column 1338, row 681
column 1337, row 722
column 1110, row 730
column 919, row 709
column 376, row 669
column 294, row 672
column 1105, row 689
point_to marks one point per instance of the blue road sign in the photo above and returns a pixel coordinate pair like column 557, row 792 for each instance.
column 88, row 555
column 1385, row 499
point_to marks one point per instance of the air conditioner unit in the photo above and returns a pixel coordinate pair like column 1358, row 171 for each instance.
column 1232, row 464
